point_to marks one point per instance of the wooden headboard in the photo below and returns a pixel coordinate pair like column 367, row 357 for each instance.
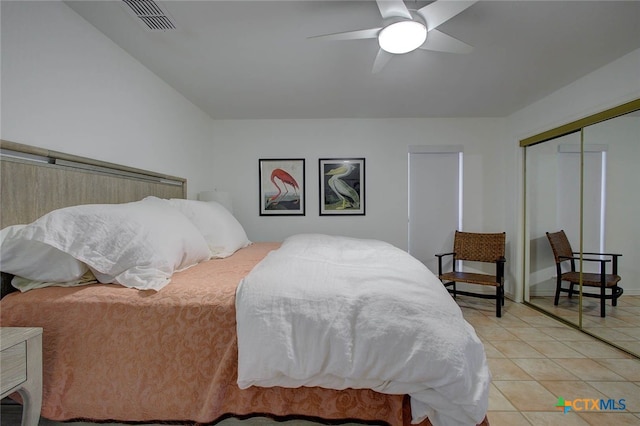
column 35, row 181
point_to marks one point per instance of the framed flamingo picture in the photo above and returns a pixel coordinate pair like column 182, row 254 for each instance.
column 342, row 186
column 281, row 187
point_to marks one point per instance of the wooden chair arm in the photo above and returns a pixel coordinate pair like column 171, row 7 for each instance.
column 598, row 253
column 444, row 254
column 440, row 256
column 587, row 259
column 562, row 258
column 613, row 260
column 603, row 254
column 603, row 262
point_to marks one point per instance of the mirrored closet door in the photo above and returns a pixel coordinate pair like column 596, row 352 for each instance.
column 584, row 179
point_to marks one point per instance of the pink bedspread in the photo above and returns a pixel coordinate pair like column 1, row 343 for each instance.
column 113, row 353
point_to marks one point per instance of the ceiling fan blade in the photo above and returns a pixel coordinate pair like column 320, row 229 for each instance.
column 382, row 58
column 393, row 9
column 350, row 35
column 440, row 11
column 441, row 42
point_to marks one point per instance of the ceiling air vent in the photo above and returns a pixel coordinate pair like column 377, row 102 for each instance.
column 150, row 14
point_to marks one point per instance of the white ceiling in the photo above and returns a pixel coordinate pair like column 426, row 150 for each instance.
column 253, row 59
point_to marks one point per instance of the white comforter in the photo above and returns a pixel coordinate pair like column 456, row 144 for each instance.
column 339, row 312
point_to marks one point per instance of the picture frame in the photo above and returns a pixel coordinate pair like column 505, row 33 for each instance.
column 342, row 186
column 282, row 186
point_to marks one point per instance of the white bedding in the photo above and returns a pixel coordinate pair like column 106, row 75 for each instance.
column 339, row 312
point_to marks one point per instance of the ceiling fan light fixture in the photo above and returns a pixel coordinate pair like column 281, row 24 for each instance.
column 402, row 37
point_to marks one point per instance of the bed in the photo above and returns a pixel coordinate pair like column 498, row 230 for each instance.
column 187, row 349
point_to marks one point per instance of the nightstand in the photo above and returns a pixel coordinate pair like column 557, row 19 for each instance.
column 21, row 369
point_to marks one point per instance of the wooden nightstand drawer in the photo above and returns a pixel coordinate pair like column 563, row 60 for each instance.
column 13, row 366
column 21, row 369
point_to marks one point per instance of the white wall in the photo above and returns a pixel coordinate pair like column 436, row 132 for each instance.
column 384, row 144
column 67, row 87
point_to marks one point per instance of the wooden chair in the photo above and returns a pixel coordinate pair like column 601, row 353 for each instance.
column 562, row 252
column 476, row 247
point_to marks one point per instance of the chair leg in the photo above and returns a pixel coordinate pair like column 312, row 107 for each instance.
column 602, row 302
column 571, row 290
column 499, row 300
column 557, row 298
column 614, row 292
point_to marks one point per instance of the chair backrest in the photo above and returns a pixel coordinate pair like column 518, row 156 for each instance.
column 560, row 245
column 479, row 247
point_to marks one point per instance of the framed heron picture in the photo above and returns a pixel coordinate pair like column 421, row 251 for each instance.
column 281, row 187
column 342, row 189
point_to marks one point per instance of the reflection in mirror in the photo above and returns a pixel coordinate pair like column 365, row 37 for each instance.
column 584, row 178
column 553, row 204
column 619, row 228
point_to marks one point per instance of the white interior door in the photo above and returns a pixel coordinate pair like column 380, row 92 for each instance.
column 435, row 201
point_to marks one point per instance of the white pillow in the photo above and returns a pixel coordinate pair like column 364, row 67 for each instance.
column 139, row 244
column 222, row 231
column 35, row 260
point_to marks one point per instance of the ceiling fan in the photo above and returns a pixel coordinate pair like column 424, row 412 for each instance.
column 404, row 30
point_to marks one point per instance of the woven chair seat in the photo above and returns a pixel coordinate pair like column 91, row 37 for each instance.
column 470, row 277
column 591, row 280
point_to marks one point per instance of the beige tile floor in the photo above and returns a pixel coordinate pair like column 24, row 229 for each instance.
column 621, row 325
column 535, row 360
